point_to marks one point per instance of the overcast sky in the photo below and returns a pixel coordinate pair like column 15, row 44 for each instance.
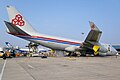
column 65, row 18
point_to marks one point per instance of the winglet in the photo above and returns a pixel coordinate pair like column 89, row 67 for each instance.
column 93, row 26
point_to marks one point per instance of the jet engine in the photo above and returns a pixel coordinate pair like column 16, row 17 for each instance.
column 71, row 49
column 102, row 54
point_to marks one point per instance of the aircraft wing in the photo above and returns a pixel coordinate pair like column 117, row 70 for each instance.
column 94, row 35
column 91, row 43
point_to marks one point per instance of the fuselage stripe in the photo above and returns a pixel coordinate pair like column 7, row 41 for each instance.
column 50, row 40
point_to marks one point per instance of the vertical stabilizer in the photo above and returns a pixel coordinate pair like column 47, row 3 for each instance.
column 17, row 19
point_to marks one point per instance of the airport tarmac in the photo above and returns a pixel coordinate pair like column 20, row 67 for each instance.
column 61, row 68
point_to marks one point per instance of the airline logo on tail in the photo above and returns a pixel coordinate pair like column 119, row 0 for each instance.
column 18, row 20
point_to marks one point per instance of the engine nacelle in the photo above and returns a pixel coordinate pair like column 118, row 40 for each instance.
column 71, row 49
column 102, row 49
column 102, row 54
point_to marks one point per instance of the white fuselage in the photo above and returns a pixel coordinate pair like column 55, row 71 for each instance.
column 58, row 43
column 52, row 41
column 19, row 27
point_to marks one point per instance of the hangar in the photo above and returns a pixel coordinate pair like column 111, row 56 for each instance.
column 117, row 47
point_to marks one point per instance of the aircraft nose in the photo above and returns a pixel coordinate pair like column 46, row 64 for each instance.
column 114, row 52
column 117, row 54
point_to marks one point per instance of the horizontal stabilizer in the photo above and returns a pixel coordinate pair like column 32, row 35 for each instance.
column 14, row 30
